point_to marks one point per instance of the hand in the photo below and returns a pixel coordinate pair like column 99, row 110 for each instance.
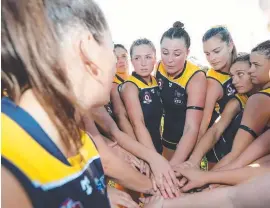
column 128, row 157
column 153, row 202
column 121, row 198
column 164, row 177
column 186, row 164
column 196, row 178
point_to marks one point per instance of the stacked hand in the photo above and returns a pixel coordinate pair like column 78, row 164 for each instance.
column 121, row 198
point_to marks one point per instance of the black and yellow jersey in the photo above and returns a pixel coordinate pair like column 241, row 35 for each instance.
column 109, row 107
column 225, row 80
column 225, row 142
column 174, row 98
column 151, row 105
column 47, row 176
column 265, row 91
column 117, row 79
column 242, row 99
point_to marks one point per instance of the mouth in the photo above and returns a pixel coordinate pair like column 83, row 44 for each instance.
column 215, row 64
column 121, row 66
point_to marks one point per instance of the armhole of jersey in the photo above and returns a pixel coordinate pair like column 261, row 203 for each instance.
column 23, row 180
column 192, row 77
column 239, row 101
column 132, row 83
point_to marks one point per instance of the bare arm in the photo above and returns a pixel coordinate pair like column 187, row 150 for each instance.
column 115, row 167
column 253, row 194
column 214, row 92
column 120, row 113
column 159, row 165
column 256, row 115
column 214, row 133
column 13, row 194
column 197, row 178
column 107, row 124
column 196, row 91
column 258, row 149
column 130, row 97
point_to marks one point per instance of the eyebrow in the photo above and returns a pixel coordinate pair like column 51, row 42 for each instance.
column 216, row 48
column 173, row 50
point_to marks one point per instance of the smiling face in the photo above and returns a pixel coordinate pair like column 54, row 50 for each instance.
column 173, row 54
column 143, row 60
column 218, row 52
column 240, row 76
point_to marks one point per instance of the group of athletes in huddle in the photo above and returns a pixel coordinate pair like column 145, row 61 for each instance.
column 66, row 102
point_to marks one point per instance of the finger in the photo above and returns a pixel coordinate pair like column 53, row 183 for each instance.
column 154, row 184
column 169, row 180
column 164, row 194
column 127, row 203
column 159, row 181
column 148, row 172
column 183, row 181
column 189, row 186
column 168, row 189
column 141, row 167
column 174, row 178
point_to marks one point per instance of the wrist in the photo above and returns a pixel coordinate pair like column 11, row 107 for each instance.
column 195, row 160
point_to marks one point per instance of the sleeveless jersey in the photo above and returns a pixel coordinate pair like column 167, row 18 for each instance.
column 174, row 98
column 151, row 105
column 47, row 176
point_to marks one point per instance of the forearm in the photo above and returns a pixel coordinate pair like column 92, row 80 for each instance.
column 124, row 124
column 211, row 199
column 205, row 144
column 236, row 176
column 133, row 146
column 143, row 136
column 204, row 125
column 185, row 147
column 258, row 149
column 225, row 161
column 114, row 167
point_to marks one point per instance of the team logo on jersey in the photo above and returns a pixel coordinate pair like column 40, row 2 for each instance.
column 160, row 83
column 178, row 97
column 147, row 98
column 170, row 84
column 100, row 185
column 230, row 89
column 86, row 185
column 153, row 91
column 69, row 203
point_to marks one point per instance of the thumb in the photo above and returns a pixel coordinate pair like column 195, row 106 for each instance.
column 189, row 186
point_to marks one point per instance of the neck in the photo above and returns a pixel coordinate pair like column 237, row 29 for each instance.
column 176, row 73
column 122, row 74
column 147, row 79
column 31, row 105
column 267, row 85
column 226, row 68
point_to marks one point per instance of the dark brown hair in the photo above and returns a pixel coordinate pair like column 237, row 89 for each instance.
column 30, row 55
column 263, row 48
column 224, row 34
column 177, row 31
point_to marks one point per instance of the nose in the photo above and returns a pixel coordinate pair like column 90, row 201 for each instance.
column 143, row 61
column 212, row 58
column 251, row 69
column 234, row 80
